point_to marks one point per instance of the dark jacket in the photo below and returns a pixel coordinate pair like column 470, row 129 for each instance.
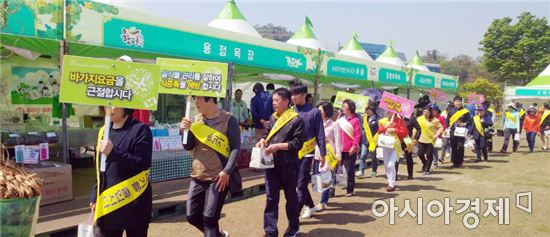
column 313, row 125
column 373, row 125
column 466, row 118
column 131, row 154
column 292, row 133
column 487, row 122
column 261, row 107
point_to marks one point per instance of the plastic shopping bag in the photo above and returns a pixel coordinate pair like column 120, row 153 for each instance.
column 321, row 182
column 341, row 177
column 86, row 229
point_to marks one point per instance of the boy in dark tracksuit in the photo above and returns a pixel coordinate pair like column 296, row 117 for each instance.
column 481, row 122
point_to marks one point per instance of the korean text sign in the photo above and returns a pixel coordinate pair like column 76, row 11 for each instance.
column 191, row 77
column 397, row 104
column 361, row 101
column 110, row 83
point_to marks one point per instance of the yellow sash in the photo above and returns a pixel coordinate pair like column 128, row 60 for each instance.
column 288, row 115
column 424, row 127
column 511, row 117
column 521, row 112
column 331, row 157
column 457, row 115
column 120, row 194
column 211, row 137
column 397, row 144
column 368, row 132
column 479, row 127
column 307, row 148
column 544, row 116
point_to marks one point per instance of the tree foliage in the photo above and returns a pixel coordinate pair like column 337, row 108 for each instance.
column 516, row 52
column 491, row 91
column 270, row 31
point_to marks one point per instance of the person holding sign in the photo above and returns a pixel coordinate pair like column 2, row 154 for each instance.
column 479, row 132
column 457, row 121
column 350, row 125
column 334, row 147
column 425, row 137
column 392, row 126
column 369, row 135
column 214, row 141
column 511, row 128
column 284, row 139
column 129, row 153
column 315, row 135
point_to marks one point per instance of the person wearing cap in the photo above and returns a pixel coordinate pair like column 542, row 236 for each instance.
column 478, row 131
column 544, row 123
column 511, row 127
column 458, row 118
column 531, row 127
column 491, row 130
column 129, row 154
column 436, row 112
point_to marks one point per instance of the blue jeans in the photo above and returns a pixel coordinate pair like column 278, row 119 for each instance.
column 363, row 159
column 531, row 137
column 436, row 155
column 326, row 194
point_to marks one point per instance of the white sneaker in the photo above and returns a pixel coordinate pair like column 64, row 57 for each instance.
column 447, row 155
column 308, row 212
column 359, row 174
column 320, row 207
column 225, row 233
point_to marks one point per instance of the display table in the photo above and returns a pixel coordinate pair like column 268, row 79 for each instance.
column 168, row 165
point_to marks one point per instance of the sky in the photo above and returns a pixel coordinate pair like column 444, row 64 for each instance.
column 451, row 27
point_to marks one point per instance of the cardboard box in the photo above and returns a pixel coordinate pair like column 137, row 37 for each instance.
column 58, row 181
column 260, row 160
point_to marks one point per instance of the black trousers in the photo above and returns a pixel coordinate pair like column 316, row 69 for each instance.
column 349, row 163
column 510, row 132
column 426, row 154
column 304, row 178
column 134, row 232
column 285, row 177
column 457, row 150
column 204, row 206
column 481, row 148
column 409, row 158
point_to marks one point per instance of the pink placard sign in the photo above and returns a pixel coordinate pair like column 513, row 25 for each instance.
column 438, row 95
column 397, row 104
column 475, row 99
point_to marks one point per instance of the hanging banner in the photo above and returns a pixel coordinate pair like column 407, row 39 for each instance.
column 109, row 83
column 397, row 104
column 361, row 101
column 192, row 77
column 438, row 95
column 475, row 99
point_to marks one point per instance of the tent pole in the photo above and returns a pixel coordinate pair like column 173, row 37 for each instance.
column 229, row 89
column 64, row 130
column 316, row 81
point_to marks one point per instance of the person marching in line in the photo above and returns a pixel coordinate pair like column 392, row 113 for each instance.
column 458, row 118
column 531, row 125
column 315, row 135
column 489, row 135
column 446, row 137
column 522, row 114
column 479, row 130
column 397, row 127
column 129, row 153
column 425, row 137
column 285, row 138
column 214, row 142
column 511, row 127
column 544, row 123
column 369, row 134
column 436, row 112
column 332, row 138
column 350, row 126
column 261, row 108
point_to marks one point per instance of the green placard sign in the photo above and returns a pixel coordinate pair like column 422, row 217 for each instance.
column 110, row 83
column 191, row 77
column 424, row 80
column 344, row 69
column 392, row 76
column 448, row 84
column 361, row 101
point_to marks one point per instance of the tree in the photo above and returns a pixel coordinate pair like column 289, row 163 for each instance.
column 516, row 53
column 270, row 31
column 433, row 56
column 491, row 91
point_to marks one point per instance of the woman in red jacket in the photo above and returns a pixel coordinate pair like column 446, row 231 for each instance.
column 394, row 126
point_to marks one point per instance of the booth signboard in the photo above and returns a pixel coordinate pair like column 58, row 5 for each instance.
column 192, row 77
column 109, row 83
